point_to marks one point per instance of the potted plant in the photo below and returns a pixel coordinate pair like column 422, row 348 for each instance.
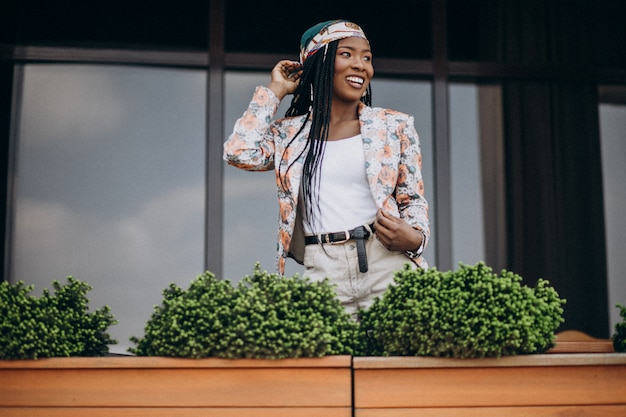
column 471, row 342
column 264, row 317
column 40, row 334
column 270, row 346
column 275, row 345
column 55, row 324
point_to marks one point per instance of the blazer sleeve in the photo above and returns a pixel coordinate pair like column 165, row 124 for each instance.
column 251, row 144
column 412, row 204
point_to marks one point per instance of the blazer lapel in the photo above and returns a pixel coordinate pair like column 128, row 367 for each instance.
column 373, row 140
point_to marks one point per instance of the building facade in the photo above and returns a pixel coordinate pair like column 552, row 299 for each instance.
column 113, row 118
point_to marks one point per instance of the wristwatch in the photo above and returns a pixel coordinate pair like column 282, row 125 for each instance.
column 417, row 252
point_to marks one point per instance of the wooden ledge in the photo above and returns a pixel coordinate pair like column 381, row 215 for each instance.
column 574, row 341
column 540, row 360
column 157, row 362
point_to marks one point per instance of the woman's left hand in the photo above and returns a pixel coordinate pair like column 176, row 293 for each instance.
column 395, row 233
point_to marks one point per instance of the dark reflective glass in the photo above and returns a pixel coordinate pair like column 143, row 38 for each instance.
column 611, row 40
column 536, row 31
column 162, row 23
column 402, row 29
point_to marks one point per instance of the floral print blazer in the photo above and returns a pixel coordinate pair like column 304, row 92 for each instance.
column 392, row 154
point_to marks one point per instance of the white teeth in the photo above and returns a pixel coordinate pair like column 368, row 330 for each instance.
column 355, row 80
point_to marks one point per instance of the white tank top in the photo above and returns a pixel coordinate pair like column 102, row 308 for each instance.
column 345, row 197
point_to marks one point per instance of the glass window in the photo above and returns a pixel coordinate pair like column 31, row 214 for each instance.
column 126, row 23
column 612, row 128
column 467, row 208
column 109, row 183
column 403, row 31
column 610, row 39
column 477, row 175
column 515, row 31
column 250, row 201
column 473, row 30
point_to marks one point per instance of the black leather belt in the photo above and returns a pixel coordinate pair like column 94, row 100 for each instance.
column 359, row 234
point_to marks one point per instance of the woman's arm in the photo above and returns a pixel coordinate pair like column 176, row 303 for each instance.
column 251, row 144
column 411, row 230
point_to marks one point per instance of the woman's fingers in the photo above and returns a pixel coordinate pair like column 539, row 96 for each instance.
column 285, row 78
column 286, row 69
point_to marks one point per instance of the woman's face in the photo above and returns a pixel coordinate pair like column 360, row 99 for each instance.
column 353, row 69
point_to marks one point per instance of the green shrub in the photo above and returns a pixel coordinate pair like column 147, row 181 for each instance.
column 264, row 316
column 189, row 323
column 52, row 325
column 619, row 338
column 468, row 313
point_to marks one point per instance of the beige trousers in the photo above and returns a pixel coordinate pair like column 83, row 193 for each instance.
column 339, row 262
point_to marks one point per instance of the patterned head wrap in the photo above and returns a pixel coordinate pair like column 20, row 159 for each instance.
column 323, row 33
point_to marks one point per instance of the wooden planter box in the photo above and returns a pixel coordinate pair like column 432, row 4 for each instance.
column 160, row 387
column 555, row 384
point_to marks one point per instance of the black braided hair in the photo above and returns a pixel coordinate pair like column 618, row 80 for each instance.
column 313, row 98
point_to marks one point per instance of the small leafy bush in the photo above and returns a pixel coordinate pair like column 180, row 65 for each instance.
column 619, row 338
column 189, row 323
column 468, row 313
column 52, row 325
column 265, row 316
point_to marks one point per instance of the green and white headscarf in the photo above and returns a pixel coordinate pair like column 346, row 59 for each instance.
column 323, row 33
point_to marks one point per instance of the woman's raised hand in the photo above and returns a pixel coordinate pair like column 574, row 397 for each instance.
column 285, row 78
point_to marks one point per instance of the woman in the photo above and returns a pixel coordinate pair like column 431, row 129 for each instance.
column 349, row 181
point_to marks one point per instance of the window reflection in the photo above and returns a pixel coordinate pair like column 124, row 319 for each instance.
column 109, row 183
column 477, row 175
column 612, row 127
column 467, row 207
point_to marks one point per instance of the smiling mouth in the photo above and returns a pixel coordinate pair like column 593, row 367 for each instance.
column 355, row 80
